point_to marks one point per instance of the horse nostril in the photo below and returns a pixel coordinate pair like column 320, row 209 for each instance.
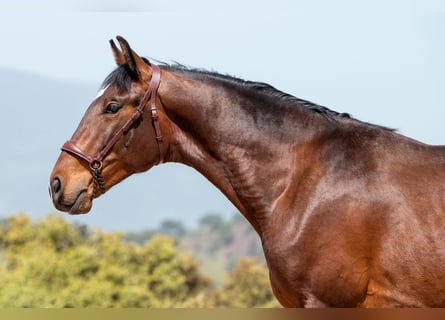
column 56, row 186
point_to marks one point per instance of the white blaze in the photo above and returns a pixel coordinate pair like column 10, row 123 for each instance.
column 101, row 92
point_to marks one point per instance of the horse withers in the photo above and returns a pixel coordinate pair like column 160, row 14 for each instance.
column 350, row 214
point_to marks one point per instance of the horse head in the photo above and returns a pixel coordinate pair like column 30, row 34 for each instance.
column 115, row 138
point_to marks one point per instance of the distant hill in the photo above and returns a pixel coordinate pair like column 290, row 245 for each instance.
column 38, row 115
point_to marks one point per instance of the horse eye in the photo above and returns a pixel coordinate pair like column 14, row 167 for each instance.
column 112, row 108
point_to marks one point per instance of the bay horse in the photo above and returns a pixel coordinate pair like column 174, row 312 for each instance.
column 350, row 214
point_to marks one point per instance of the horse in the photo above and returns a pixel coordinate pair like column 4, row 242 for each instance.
column 350, row 214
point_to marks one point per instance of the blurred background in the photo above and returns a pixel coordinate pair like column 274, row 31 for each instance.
column 383, row 62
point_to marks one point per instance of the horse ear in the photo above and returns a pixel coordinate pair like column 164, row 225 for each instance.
column 134, row 62
column 118, row 56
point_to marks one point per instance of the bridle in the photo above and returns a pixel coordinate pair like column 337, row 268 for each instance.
column 96, row 162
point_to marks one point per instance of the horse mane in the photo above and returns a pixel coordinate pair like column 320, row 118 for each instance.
column 122, row 78
column 260, row 88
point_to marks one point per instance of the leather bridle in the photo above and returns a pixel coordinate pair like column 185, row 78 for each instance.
column 96, row 162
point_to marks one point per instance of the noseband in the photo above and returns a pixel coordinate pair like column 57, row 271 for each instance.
column 95, row 162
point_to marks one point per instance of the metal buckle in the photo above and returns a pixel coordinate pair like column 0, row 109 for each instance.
column 95, row 165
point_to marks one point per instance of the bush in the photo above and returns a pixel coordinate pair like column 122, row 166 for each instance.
column 52, row 263
column 247, row 285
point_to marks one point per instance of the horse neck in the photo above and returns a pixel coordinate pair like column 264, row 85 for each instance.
column 213, row 132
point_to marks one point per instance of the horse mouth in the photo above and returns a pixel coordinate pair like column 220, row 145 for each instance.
column 80, row 205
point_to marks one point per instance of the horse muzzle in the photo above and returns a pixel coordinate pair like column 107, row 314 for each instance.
column 74, row 201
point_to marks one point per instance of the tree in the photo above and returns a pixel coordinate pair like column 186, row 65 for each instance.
column 247, row 285
column 53, row 263
column 172, row 228
column 213, row 221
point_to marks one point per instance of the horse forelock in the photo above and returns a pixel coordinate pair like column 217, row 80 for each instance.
column 121, row 77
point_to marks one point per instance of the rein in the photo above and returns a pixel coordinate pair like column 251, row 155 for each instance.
column 96, row 162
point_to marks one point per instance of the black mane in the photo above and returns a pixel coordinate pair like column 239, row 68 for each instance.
column 290, row 99
column 122, row 78
column 261, row 88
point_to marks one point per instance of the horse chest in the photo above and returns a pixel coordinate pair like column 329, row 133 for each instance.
column 306, row 273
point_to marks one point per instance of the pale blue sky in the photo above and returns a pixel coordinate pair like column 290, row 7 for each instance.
column 381, row 61
column 360, row 58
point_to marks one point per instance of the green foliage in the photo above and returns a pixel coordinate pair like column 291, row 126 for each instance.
column 172, row 228
column 53, row 263
column 216, row 242
column 247, row 285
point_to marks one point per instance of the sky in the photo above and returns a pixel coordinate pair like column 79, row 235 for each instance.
column 381, row 61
